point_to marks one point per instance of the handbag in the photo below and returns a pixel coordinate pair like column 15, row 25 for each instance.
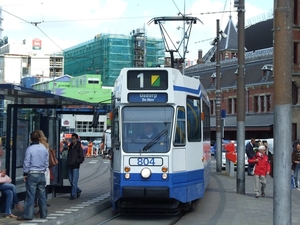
column 52, row 158
column 5, row 179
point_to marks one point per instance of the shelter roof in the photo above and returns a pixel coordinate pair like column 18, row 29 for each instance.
column 22, row 95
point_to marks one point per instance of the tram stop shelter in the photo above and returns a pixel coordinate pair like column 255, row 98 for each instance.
column 29, row 110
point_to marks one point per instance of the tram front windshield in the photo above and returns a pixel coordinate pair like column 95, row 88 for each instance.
column 146, row 129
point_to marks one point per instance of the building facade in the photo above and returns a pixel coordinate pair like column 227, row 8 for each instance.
column 107, row 54
column 259, row 79
column 86, row 88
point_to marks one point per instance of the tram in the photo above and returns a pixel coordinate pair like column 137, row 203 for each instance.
column 161, row 140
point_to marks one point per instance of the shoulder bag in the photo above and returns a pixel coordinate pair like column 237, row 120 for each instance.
column 52, row 158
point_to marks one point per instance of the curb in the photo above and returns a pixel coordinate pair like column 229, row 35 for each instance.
column 81, row 214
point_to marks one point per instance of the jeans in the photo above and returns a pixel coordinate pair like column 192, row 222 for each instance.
column 296, row 172
column 73, row 179
column 35, row 184
column 11, row 196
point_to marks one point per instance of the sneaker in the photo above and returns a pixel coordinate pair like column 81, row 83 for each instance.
column 78, row 194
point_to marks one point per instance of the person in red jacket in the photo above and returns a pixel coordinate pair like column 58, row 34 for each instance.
column 261, row 169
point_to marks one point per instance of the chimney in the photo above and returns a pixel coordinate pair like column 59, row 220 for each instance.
column 200, row 61
column 199, row 54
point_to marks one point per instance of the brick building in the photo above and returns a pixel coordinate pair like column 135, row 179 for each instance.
column 259, row 79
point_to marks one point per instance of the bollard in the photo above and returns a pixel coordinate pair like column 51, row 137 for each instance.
column 229, row 168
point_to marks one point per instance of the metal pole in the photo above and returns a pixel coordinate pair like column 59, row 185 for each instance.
column 218, row 105
column 282, row 67
column 240, row 178
column 183, row 63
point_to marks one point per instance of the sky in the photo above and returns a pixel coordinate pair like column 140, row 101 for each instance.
column 61, row 24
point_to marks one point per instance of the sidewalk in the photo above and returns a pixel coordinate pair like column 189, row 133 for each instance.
column 94, row 177
column 221, row 202
column 236, row 209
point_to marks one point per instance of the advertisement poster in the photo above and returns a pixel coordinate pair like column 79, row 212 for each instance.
column 22, row 141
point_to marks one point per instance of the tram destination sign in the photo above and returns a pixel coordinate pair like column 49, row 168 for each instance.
column 147, row 97
column 147, row 79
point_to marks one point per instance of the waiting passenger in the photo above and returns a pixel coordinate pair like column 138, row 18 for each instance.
column 9, row 189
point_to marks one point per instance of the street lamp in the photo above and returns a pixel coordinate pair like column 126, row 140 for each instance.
column 216, row 41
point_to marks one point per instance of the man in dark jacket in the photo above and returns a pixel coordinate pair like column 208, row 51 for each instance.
column 250, row 154
column 74, row 159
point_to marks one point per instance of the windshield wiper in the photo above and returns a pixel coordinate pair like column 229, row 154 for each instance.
column 155, row 140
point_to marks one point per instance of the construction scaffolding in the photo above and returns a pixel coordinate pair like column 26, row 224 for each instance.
column 107, row 54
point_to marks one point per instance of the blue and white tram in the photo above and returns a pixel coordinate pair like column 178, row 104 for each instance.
column 172, row 168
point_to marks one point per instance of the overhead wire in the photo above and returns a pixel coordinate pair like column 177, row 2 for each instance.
column 36, row 25
column 223, row 12
column 176, row 6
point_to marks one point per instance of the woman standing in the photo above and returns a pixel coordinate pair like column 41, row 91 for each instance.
column 44, row 141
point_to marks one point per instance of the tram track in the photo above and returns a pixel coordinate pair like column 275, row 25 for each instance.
column 96, row 172
column 172, row 220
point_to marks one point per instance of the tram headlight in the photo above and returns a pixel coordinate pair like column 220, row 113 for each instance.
column 164, row 176
column 127, row 175
column 164, row 169
column 127, row 169
column 146, row 172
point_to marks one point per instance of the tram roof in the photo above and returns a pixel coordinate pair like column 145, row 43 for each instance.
column 22, row 95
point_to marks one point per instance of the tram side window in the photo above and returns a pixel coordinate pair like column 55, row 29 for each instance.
column 180, row 127
column 193, row 119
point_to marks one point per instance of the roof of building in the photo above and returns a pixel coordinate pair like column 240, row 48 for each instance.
column 254, row 39
column 256, row 63
column 259, row 35
column 231, row 41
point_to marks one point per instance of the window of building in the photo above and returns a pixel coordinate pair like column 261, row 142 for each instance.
column 268, row 102
column 212, row 107
column 296, row 15
column 295, row 52
column 255, row 108
column 294, row 94
column 234, row 105
column 93, row 81
column 86, row 126
column 262, row 103
column 229, row 106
